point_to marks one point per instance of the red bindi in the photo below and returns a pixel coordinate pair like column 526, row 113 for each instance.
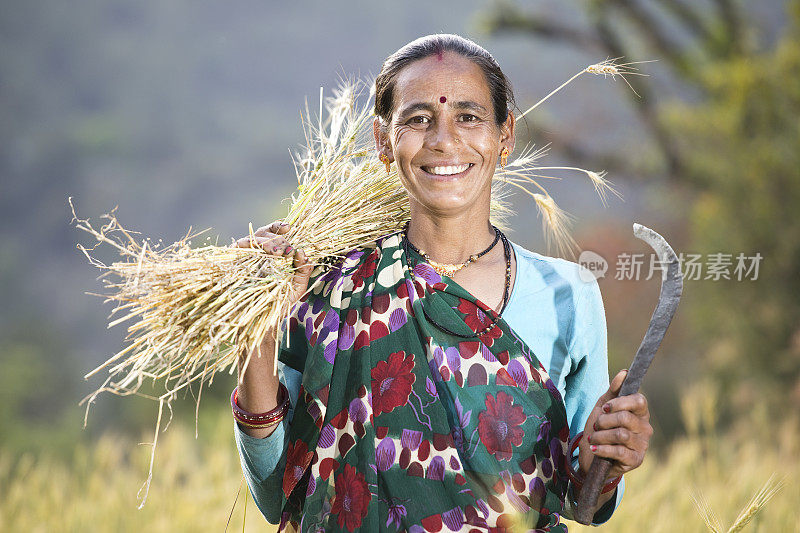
column 440, row 54
column 442, row 99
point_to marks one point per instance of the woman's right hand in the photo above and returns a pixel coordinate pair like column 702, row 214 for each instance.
column 258, row 386
column 269, row 238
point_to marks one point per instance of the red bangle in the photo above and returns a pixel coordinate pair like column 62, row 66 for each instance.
column 576, row 478
column 261, row 420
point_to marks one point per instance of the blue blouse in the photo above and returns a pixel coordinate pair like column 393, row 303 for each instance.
column 557, row 312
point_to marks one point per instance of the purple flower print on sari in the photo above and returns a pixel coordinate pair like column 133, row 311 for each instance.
column 411, row 439
column 463, row 422
column 430, row 388
column 397, row 319
column 517, row 372
column 436, row 469
column 426, row 272
column 385, row 454
column 396, row 512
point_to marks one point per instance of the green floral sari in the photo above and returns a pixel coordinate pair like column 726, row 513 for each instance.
column 400, row 426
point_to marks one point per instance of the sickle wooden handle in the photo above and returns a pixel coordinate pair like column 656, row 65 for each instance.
column 587, row 499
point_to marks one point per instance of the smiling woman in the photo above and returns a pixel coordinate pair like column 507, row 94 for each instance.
column 436, row 363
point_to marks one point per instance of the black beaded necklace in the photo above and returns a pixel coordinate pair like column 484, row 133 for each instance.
column 450, row 270
column 507, row 253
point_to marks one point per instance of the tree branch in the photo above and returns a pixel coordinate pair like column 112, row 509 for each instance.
column 690, row 19
column 644, row 106
column 509, row 19
column 651, row 31
column 730, row 16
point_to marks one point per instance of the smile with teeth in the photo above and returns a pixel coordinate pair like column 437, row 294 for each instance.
column 448, row 170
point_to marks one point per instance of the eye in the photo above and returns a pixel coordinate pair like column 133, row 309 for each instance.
column 418, row 119
column 467, row 117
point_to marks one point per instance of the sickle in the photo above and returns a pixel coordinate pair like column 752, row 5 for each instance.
column 671, row 288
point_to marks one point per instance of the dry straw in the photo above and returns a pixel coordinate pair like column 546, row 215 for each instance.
column 194, row 309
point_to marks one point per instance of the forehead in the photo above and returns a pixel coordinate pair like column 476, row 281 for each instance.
column 452, row 76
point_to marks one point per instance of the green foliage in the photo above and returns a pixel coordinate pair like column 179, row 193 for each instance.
column 741, row 151
column 732, row 153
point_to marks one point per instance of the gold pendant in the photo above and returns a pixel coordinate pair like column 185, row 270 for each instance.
column 445, row 269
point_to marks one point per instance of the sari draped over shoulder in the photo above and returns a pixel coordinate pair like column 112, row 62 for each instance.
column 372, row 445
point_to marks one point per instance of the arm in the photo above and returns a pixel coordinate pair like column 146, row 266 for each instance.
column 263, row 450
column 588, row 379
column 263, row 459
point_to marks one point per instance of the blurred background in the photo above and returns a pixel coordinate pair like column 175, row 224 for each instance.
column 183, row 113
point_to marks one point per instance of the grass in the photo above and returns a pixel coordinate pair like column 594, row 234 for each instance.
column 195, row 483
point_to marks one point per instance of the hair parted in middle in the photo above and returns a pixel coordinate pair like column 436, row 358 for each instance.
column 437, row 44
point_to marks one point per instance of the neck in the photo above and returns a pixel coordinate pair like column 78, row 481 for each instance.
column 450, row 239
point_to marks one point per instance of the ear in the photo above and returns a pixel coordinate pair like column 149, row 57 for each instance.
column 507, row 137
column 382, row 141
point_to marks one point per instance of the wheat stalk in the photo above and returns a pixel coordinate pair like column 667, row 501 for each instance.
column 708, row 515
column 753, row 507
column 757, row 503
column 608, row 67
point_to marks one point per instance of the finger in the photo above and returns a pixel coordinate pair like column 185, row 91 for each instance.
column 278, row 227
column 613, row 388
column 635, row 403
column 273, row 244
column 619, row 437
column 624, row 419
column 628, row 458
column 303, row 271
column 616, row 383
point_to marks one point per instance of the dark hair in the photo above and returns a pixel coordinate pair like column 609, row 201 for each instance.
column 499, row 86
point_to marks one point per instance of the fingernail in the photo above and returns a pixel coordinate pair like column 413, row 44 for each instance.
column 593, row 447
column 274, row 248
column 607, row 408
column 288, row 249
column 594, row 426
column 588, row 438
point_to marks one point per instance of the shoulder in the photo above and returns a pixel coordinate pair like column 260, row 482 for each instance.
column 544, row 271
column 341, row 278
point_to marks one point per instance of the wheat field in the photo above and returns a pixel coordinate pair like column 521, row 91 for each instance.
column 195, row 483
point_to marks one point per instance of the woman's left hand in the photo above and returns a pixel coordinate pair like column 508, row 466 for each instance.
column 618, row 428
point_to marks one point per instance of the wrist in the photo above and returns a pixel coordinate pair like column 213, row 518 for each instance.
column 578, row 477
column 260, row 424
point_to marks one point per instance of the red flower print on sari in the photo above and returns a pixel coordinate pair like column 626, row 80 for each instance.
column 391, row 382
column 365, row 270
column 297, row 459
column 499, row 425
column 478, row 320
column 352, row 498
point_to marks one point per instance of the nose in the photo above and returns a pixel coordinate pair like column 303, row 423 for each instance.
column 443, row 136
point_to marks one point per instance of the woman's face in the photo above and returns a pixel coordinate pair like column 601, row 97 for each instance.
column 443, row 135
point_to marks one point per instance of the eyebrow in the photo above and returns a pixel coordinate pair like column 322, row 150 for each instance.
column 425, row 106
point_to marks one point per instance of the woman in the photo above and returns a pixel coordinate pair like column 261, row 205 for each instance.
column 433, row 383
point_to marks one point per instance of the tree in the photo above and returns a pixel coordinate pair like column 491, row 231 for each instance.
column 733, row 153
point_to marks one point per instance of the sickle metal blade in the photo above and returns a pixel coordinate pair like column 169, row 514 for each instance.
column 671, row 289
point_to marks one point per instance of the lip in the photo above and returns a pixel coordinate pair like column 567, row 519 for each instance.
column 451, row 177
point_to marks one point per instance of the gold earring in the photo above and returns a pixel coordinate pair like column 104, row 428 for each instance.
column 385, row 160
column 503, row 157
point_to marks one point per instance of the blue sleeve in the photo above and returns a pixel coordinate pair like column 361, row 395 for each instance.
column 263, row 460
column 588, row 376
